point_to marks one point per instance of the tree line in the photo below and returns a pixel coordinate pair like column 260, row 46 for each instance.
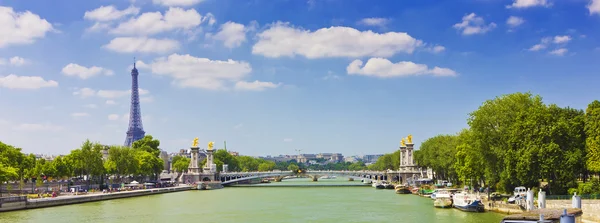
column 517, row 140
column 140, row 160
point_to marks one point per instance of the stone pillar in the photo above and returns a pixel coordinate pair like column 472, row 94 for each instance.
column 209, row 161
column 529, row 199
column 409, row 154
column 542, row 199
column 576, row 202
column 402, row 156
column 193, row 166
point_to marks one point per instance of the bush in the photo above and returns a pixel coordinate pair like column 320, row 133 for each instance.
column 590, row 187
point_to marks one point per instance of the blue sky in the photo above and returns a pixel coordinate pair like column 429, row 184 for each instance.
column 274, row 76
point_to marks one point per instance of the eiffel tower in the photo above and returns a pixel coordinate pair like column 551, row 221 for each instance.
column 136, row 129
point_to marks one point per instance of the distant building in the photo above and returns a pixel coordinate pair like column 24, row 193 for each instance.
column 337, row 157
column 164, row 156
column 304, row 158
column 370, row 158
column 234, row 153
column 350, row 159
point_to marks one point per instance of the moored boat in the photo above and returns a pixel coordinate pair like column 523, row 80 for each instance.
column 377, row 184
column 402, row 189
column 467, row 202
column 443, row 199
column 387, row 185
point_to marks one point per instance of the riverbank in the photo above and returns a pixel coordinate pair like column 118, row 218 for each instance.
column 21, row 204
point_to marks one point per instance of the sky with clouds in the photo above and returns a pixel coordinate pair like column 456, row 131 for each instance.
column 276, row 76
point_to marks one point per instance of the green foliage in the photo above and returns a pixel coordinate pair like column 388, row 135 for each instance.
column 592, row 131
column 180, row 163
column 293, row 167
column 590, row 187
column 517, row 140
column 148, row 144
column 390, row 161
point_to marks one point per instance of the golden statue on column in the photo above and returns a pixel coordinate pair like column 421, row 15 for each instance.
column 195, row 143
column 409, row 139
column 210, row 145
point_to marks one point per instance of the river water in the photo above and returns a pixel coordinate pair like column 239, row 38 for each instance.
column 259, row 204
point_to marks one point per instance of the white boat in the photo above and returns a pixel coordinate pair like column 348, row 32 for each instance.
column 467, row 202
column 367, row 181
column 377, row 184
column 443, row 199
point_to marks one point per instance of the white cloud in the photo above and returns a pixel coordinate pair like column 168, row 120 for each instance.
column 436, row 49
column 142, row 45
column 98, row 26
column 92, row 106
column 561, row 39
column 514, row 21
column 281, row 40
column 110, row 102
column 110, row 13
column 21, row 27
column 190, row 71
column 79, row 114
column 594, row 7
column 559, row 52
column 176, row 2
column 38, row 127
column 17, row 61
column 88, row 92
column 374, row 22
column 255, row 85
column 154, row 22
column 383, row 68
column 529, row 3
column 84, row 92
column 231, row 34
column 288, row 140
column 473, row 24
column 210, row 18
column 25, row 82
column 76, row 70
column 546, row 41
column 542, row 45
column 113, row 117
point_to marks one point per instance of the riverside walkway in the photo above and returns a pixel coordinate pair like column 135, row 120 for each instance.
column 84, row 198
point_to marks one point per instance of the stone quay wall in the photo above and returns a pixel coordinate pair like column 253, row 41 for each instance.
column 590, row 208
column 76, row 199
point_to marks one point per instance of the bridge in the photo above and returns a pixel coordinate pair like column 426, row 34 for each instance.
column 234, row 177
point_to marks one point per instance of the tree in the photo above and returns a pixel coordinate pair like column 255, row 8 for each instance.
column 61, row 167
column 266, row 166
column 293, row 167
column 119, row 161
column 148, row 144
column 180, row 164
column 592, row 131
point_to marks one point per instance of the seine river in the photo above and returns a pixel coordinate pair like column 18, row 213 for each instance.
column 259, row 204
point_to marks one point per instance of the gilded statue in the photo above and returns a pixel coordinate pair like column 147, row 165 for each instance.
column 409, row 138
column 195, row 143
column 210, row 145
column 402, row 143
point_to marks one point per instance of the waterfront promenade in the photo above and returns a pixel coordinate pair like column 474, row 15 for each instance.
column 84, row 198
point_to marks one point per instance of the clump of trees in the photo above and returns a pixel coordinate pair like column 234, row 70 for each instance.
column 516, row 140
column 141, row 160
